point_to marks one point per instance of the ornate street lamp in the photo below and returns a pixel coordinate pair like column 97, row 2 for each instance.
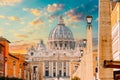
column 89, row 19
column 84, row 42
column 81, row 52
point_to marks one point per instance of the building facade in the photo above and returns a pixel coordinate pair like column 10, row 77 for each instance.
column 2, row 65
column 4, row 50
column 11, row 65
column 115, row 25
column 57, row 60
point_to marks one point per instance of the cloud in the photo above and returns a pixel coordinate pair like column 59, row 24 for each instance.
column 2, row 17
column 13, row 18
column 36, row 21
column 35, row 12
column 54, row 7
column 73, row 15
column 7, row 24
column 21, row 35
column 19, row 48
column 97, row 19
column 9, row 2
column 22, row 22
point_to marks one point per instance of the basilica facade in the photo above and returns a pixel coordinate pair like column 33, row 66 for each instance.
column 57, row 60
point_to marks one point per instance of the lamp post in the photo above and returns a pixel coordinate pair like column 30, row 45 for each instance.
column 14, row 68
column 6, row 59
column 89, row 55
column 89, row 21
column 81, row 52
column 84, row 42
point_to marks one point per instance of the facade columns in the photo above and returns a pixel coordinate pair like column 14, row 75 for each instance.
column 56, row 69
column 66, row 69
column 62, row 68
column 43, row 69
column 51, row 69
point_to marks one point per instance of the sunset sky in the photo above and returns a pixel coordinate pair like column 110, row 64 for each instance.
column 25, row 22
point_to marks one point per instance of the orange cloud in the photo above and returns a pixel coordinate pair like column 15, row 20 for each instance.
column 21, row 48
column 37, row 21
column 13, row 18
column 9, row 2
column 73, row 15
column 54, row 7
column 35, row 12
column 2, row 17
column 21, row 36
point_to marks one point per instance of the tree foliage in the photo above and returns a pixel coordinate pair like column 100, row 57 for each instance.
column 75, row 78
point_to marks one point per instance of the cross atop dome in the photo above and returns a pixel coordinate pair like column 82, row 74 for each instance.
column 61, row 21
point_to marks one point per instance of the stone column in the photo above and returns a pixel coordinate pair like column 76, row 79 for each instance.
column 105, row 47
column 89, row 55
column 43, row 69
column 28, row 75
column 70, row 71
column 24, row 74
column 6, row 66
column 14, row 71
column 20, row 73
column 62, row 68
column 56, row 69
column 52, row 69
column 67, row 69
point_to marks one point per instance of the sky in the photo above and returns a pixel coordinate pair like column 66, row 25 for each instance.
column 25, row 22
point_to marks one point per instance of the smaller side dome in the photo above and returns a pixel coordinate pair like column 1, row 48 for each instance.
column 41, row 45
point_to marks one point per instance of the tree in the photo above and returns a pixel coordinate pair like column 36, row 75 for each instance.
column 76, row 78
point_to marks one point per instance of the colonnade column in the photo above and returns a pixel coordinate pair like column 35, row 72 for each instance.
column 62, row 68
column 52, row 69
column 14, row 69
column 43, row 69
column 56, row 69
column 67, row 74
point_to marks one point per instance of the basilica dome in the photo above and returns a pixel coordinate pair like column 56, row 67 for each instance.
column 61, row 37
column 61, row 32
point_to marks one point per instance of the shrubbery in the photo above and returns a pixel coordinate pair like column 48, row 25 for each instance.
column 6, row 78
column 76, row 78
